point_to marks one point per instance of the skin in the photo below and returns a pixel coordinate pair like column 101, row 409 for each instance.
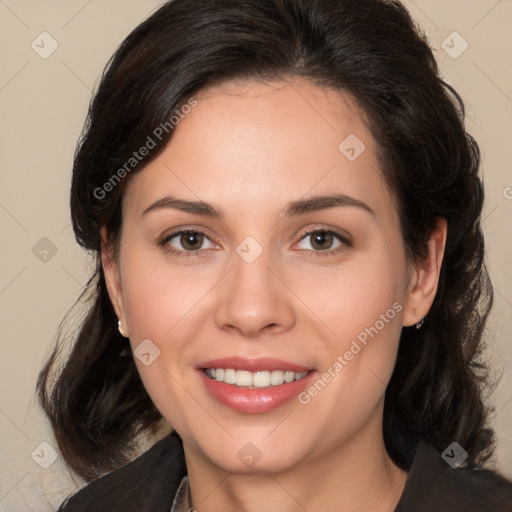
column 249, row 148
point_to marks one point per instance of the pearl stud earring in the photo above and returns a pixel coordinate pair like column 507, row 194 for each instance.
column 121, row 330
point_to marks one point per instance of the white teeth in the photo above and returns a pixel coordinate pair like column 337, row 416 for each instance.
column 244, row 378
column 229, row 376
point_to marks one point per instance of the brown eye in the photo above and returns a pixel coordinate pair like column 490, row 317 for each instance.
column 325, row 241
column 187, row 242
column 191, row 240
column 321, row 240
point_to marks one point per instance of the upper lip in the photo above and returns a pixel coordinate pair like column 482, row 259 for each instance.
column 253, row 365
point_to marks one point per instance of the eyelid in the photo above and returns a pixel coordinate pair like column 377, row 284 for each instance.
column 164, row 239
column 342, row 236
column 345, row 240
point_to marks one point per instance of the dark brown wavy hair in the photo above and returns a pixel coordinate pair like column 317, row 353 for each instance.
column 371, row 49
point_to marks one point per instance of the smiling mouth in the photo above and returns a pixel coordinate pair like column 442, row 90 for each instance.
column 253, row 380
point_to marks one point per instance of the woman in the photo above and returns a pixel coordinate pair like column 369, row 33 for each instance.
column 284, row 208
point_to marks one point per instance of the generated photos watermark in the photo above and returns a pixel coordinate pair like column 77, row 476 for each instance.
column 138, row 156
column 343, row 360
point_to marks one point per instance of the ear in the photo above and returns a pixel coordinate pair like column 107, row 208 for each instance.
column 424, row 277
column 112, row 275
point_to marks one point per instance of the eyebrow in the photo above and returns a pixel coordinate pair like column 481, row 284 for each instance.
column 293, row 209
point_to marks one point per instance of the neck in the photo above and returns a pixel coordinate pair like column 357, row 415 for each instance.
column 358, row 475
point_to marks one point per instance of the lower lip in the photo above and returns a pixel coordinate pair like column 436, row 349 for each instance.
column 243, row 399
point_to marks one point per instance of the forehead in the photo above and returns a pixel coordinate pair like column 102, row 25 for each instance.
column 274, row 139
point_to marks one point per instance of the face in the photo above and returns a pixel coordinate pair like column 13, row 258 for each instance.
column 268, row 273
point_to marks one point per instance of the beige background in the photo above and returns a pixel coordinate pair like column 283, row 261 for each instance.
column 43, row 104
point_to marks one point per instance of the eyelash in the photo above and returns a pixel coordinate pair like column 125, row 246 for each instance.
column 330, row 252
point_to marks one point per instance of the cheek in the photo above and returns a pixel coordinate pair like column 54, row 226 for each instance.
column 357, row 360
column 364, row 316
column 158, row 296
column 355, row 295
column 161, row 304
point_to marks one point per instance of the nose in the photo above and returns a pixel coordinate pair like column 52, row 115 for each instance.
column 255, row 300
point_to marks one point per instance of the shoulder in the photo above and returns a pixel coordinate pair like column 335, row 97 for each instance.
column 433, row 485
column 147, row 483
